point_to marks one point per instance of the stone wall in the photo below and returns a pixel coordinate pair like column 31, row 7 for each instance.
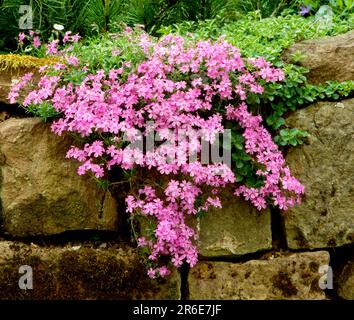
column 72, row 233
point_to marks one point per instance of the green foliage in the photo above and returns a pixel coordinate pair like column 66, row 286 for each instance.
column 266, row 8
column 99, row 53
column 106, row 52
column 243, row 165
column 9, row 17
column 44, row 111
column 268, row 38
column 296, row 93
column 260, row 37
column 90, row 17
column 154, row 14
column 297, row 57
column 339, row 6
column 98, row 16
column 86, row 17
column 144, row 12
column 291, row 137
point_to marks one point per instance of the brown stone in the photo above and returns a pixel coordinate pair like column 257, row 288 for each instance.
column 40, row 190
column 328, row 58
column 324, row 165
column 81, row 272
column 345, row 281
column 234, row 230
column 4, row 115
column 294, row 276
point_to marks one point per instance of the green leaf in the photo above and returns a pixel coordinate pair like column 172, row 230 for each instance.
column 293, row 142
column 284, row 132
column 239, row 165
column 279, row 123
column 239, row 146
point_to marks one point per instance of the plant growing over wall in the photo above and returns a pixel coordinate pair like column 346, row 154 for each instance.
column 175, row 86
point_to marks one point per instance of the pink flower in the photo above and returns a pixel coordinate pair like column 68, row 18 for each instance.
column 52, row 47
column 42, row 69
column 72, row 60
column 21, row 37
column 36, row 42
column 152, row 273
column 142, row 242
column 59, row 66
column 128, row 30
column 164, row 271
column 75, row 38
column 66, row 37
column 116, row 53
column 33, row 33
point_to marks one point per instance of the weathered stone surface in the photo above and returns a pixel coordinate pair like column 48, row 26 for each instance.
column 4, row 115
column 40, row 191
column 345, row 281
column 294, row 276
column 324, row 165
column 81, row 273
column 328, row 58
column 236, row 229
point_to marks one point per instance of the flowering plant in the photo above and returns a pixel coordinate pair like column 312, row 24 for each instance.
column 156, row 114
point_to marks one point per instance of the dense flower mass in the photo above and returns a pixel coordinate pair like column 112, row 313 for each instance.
column 181, row 89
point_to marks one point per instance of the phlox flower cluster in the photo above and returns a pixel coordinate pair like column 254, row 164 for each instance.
column 171, row 91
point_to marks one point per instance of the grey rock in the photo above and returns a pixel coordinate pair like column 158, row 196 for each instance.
column 84, row 273
column 234, row 230
column 40, row 190
column 324, row 165
column 345, row 281
column 327, row 58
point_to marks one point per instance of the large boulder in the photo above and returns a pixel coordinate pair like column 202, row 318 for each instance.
column 295, row 276
column 80, row 272
column 40, row 191
column 324, row 165
column 236, row 229
column 328, row 58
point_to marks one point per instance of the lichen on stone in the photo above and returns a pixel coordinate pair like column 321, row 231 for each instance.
column 16, row 61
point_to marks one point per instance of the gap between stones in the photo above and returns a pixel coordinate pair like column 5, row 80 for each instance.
column 278, row 230
column 184, row 271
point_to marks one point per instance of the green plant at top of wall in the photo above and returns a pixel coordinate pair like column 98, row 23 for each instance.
column 269, row 37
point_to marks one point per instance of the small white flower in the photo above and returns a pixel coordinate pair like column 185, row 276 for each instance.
column 58, row 27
